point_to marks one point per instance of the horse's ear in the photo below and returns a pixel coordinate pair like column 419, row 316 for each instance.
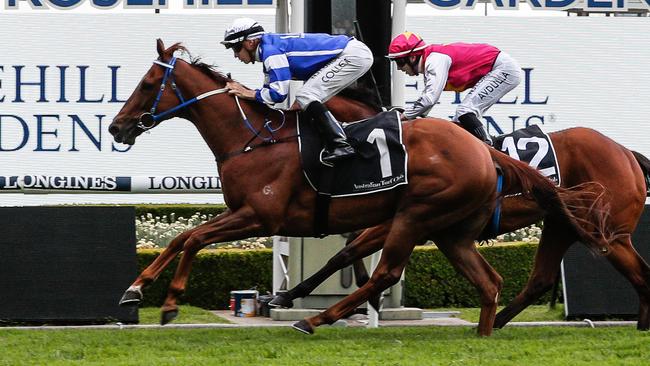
column 160, row 46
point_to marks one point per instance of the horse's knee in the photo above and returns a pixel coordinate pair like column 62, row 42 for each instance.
column 343, row 258
column 489, row 295
column 178, row 243
column 489, row 290
column 390, row 278
column 539, row 285
column 498, row 281
column 193, row 243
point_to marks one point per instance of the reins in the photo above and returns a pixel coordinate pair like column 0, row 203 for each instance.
column 148, row 119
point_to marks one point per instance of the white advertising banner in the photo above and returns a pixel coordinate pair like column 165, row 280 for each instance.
column 60, row 87
column 578, row 71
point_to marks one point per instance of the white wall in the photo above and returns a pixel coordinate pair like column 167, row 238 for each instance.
column 100, row 41
column 592, row 70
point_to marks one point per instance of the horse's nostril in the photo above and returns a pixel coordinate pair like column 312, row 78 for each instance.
column 113, row 129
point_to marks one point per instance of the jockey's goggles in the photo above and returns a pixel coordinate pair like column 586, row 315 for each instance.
column 400, row 62
column 236, row 47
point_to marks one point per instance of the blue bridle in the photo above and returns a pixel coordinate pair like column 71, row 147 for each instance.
column 151, row 117
column 148, row 120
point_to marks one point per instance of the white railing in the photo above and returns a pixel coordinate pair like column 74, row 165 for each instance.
column 52, row 184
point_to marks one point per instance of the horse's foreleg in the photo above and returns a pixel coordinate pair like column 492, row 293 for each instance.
column 630, row 264
column 397, row 249
column 237, row 225
column 133, row 295
column 552, row 246
column 370, row 241
column 462, row 254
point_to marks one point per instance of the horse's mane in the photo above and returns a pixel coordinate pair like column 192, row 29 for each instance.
column 209, row 70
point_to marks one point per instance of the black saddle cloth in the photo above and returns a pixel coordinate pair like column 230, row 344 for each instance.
column 533, row 146
column 380, row 162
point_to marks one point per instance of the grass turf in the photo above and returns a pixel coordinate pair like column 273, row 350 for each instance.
column 533, row 313
column 329, row 346
column 186, row 315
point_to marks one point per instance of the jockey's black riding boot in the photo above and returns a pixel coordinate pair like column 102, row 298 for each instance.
column 336, row 143
column 471, row 124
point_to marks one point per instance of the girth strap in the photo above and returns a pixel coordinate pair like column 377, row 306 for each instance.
column 492, row 229
column 323, row 199
column 496, row 216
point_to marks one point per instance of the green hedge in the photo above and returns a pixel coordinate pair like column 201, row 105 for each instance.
column 431, row 282
column 214, row 274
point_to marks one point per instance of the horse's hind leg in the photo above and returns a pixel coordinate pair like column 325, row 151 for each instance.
column 469, row 262
column 397, row 250
column 631, row 265
column 370, row 241
column 360, row 272
column 552, row 246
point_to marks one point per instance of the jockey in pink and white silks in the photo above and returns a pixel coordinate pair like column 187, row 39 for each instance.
column 490, row 73
column 327, row 64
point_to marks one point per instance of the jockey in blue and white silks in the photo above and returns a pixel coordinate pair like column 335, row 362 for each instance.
column 298, row 56
column 326, row 63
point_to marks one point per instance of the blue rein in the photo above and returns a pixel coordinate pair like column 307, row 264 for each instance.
column 151, row 117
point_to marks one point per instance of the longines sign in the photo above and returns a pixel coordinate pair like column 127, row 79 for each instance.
column 109, row 184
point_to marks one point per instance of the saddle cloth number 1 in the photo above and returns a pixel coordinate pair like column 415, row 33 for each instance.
column 378, row 136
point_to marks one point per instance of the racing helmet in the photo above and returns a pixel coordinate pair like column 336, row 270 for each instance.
column 241, row 30
column 405, row 45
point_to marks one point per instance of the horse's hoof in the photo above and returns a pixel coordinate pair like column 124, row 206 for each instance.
column 280, row 301
column 376, row 302
column 168, row 316
column 303, row 326
column 132, row 296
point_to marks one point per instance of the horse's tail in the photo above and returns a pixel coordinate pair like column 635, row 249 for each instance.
column 581, row 208
column 644, row 163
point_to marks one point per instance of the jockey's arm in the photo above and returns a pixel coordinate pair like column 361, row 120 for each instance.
column 436, row 70
column 276, row 87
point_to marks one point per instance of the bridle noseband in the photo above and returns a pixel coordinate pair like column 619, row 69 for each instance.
column 148, row 120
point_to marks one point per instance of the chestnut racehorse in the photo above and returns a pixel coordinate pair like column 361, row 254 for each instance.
column 584, row 155
column 450, row 194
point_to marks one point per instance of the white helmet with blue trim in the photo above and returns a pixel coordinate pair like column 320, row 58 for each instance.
column 241, row 30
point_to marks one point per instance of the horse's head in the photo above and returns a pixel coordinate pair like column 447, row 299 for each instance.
column 155, row 93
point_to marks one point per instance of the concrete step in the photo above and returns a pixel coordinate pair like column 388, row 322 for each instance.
column 385, row 314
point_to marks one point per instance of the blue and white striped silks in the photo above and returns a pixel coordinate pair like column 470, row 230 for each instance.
column 294, row 56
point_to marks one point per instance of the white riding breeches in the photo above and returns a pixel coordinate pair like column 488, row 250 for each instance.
column 505, row 76
column 354, row 61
